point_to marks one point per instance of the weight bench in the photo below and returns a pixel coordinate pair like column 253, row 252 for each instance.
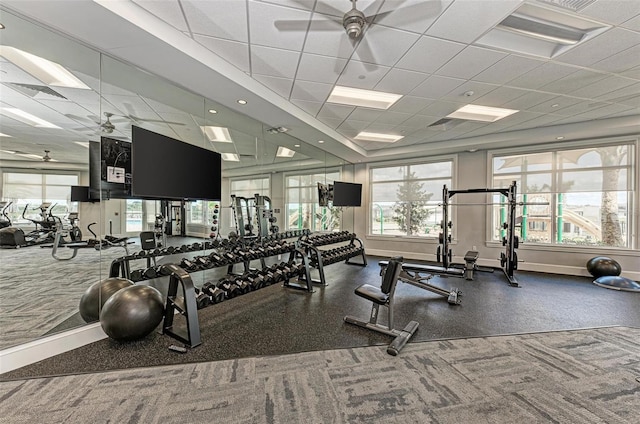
column 470, row 259
column 383, row 296
column 414, row 274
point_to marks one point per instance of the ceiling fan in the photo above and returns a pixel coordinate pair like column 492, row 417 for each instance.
column 354, row 21
column 46, row 157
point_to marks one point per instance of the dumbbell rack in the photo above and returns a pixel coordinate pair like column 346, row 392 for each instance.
column 318, row 259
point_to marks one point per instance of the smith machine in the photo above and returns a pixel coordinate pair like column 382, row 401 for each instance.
column 508, row 258
column 264, row 219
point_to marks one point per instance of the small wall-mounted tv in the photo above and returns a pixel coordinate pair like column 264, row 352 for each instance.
column 166, row 168
column 81, row 194
column 347, row 194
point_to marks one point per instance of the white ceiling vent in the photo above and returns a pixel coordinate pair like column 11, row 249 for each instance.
column 541, row 31
column 572, row 5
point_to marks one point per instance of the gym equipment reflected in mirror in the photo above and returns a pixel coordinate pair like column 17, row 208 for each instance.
column 47, row 127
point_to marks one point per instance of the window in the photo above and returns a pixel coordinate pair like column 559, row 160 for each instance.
column 581, row 196
column 133, row 222
column 302, row 208
column 31, row 190
column 405, row 198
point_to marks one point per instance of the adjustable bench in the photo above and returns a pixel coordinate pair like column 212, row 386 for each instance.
column 470, row 259
column 418, row 275
column 383, row 296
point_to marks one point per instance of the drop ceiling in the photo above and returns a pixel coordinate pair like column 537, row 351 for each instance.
column 285, row 56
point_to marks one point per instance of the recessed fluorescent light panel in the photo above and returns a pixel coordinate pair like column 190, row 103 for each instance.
column 26, row 118
column 230, row 157
column 364, row 98
column 46, row 71
column 4, row 135
column 481, row 113
column 283, row 152
column 541, row 31
column 218, row 134
column 384, row 138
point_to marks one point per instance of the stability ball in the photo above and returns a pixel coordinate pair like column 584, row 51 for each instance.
column 132, row 313
column 601, row 266
column 97, row 294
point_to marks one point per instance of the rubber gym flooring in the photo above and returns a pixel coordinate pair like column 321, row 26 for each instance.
column 276, row 320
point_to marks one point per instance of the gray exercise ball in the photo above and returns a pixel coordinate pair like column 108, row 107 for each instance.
column 601, row 266
column 97, row 294
column 132, row 313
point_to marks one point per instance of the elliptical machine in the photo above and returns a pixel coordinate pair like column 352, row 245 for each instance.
column 5, row 221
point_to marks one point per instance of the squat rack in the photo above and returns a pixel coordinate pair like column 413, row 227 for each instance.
column 508, row 258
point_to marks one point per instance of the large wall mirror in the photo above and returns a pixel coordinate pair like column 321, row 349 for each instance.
column 47, row 128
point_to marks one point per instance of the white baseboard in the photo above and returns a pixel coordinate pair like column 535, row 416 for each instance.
column 522, row 266
column 46, row 347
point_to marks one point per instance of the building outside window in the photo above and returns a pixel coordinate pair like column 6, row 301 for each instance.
column 581, row 196
column 405, row 198
column 301, row 202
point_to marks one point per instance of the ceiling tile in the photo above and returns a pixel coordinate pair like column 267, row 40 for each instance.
column 500, row 96
column 437, row 86
column 470, row 62
column 414, row 15
column 263, row 29
column 629, row 95
column 204, row 18
column 400, row 81
column 390, row 117
column 633, row 23
column 310, row 91
column 351, row 127
column 612, row 11
column 274, row 62
column 384, row 46
column 410, row 104
column 233, row 52
column 362, row 75
column 168, row 11
column 570, row 83
column 606, row 111
column 619, row 62
column 601, row 47
column 330, row 110
column 319, row 68
column 453, row 24
column 312, row 108
column 507, row 69
column 555, row 105
column 282, row 86
column 478, row 89
column 632, row 73
column 440, row 108
column 428, row 54
column 602, row 87
column 365, row 114
column 529, row 100
column 542, row 75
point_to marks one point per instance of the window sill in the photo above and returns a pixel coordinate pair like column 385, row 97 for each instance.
column 404, row 239
column 599, row 250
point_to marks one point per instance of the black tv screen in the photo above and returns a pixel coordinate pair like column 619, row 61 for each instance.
column 347, row 194
column 80, row 194
column 166, row 168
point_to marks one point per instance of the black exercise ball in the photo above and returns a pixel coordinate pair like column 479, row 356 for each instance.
column 132, row 313
column 601, row 266
column 97, row 294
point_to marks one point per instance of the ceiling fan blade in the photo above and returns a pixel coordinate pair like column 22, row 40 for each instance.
column 379, row 7
column 366, row 55
column 162, row 121
column 303, row 26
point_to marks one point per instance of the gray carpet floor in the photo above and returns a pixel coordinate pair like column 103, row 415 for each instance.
column 579, row 376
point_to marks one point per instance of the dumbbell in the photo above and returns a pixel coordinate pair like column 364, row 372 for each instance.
column 152, row 272
column 137, row 275
column 256, row 280
column 203, row 262
column 277, row 273
column 202, row 299
column 188, row 265
column 267, row 277
column 230, row 289
column 243, row 284
column 215, row 294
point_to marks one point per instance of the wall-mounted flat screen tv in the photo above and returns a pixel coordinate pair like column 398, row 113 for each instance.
column 81, row 194
column 166, row 168
column 347, row 194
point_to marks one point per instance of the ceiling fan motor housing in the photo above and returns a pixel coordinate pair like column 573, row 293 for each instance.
column 353, row 23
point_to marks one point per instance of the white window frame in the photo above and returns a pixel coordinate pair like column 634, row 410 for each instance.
column 286, row 175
